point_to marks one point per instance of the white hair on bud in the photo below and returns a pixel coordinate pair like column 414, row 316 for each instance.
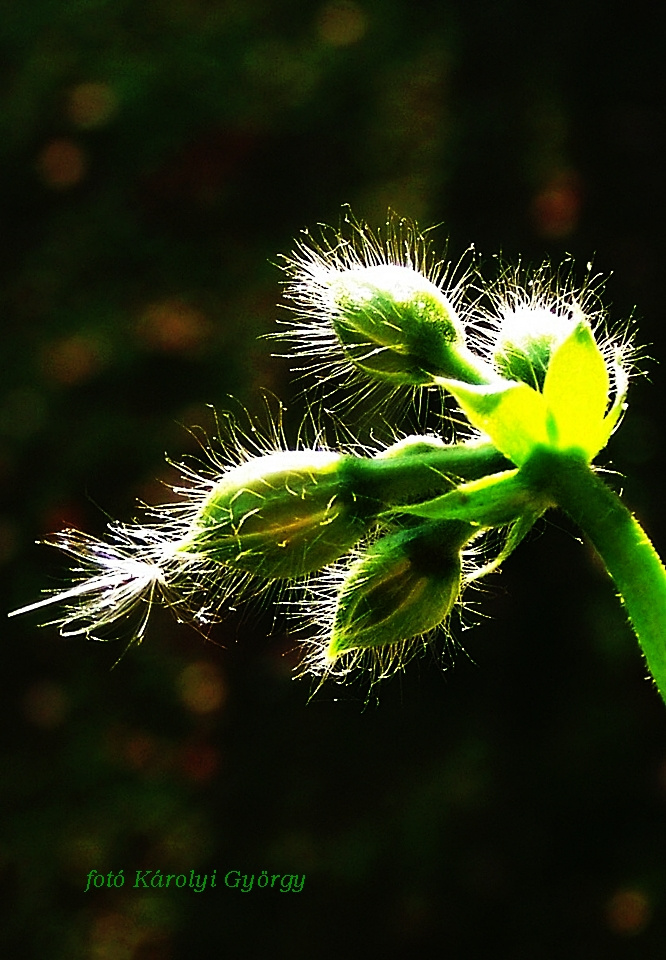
column 523, row 299
column 312, row 271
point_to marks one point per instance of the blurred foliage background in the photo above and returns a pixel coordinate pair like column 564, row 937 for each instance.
column 157, row 156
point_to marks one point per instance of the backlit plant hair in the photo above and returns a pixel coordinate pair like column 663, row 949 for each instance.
column 384, row 541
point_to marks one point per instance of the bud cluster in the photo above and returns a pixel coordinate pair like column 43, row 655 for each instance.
column 528, row 372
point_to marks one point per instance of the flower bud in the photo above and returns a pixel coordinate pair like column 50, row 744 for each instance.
column 281, row 515
column 402, row 586
column 528, row 337
column 396, row 325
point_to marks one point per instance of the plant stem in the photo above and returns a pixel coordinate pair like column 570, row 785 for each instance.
column 621, row 543
column 413, row 477
column 462, row 364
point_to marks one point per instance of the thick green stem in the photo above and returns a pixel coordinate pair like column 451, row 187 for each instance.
column 620, row 541
column 409, row 478
column 462, row 364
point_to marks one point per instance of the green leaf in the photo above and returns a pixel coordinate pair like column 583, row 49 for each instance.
column 576, row 393
column 513, row 415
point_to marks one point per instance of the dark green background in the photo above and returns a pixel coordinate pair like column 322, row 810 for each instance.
column 512, row 806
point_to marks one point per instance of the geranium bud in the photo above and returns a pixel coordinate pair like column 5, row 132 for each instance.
column 281, row 515
column 396, row 325
column 528, row 337
column 402, row 586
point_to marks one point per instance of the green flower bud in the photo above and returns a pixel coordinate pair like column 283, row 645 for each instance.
column 281, row 515
column 528, row 337
column 402, row 586
column 394, row 324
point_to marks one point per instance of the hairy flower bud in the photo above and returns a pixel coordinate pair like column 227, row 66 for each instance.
column 527, row 339
column 281, row 515
column 396, row 325
column 404, row 585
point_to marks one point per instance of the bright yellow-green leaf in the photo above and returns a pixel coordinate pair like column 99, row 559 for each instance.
column 576, row 393
column 512, row 415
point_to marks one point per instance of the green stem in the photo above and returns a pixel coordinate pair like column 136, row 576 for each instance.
column 620, row 541
column 459, row 363
column 412, row 477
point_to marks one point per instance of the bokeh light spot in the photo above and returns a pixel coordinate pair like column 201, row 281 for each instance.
column 91, row 105
column 113, row 936
column 72, row 359
column 199, row 761
column 556, row 207
column 62, row 164
column 341, row 23
column 628, row 912
column 173, row 326
column 202, row 689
